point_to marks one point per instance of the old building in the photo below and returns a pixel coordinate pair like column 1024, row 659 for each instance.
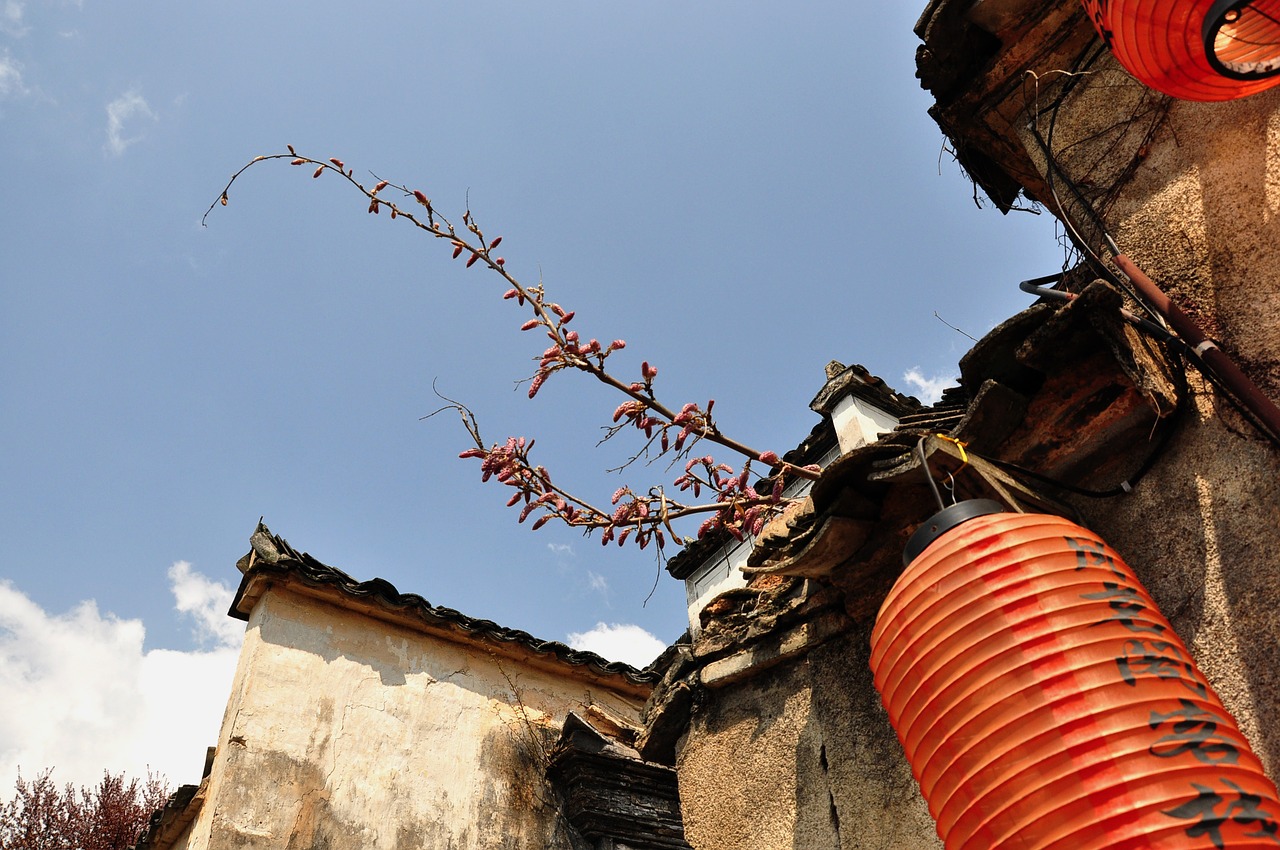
column 364, row 717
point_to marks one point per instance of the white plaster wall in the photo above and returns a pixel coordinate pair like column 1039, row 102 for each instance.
column 858, row 423
column 344, row 731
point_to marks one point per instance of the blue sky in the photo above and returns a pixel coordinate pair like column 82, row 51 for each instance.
column 740, row 191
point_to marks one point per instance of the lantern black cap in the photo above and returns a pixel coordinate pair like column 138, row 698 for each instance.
column 945, row 520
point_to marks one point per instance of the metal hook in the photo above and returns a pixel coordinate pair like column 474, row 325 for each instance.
column 924, row 465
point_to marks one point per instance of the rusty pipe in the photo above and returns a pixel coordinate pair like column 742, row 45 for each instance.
column 1237, row 382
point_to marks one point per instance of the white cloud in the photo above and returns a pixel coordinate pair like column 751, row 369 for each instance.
column 928, row 390
column 207, row 601
column 619, row 642
column 11, row 15
column 597, row 582
column 78, row 692
column 10, row 76
column 125, row 108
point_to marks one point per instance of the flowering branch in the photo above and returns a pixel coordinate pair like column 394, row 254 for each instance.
column 738, row 507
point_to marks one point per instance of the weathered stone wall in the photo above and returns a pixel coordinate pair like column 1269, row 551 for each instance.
column 787, row 745
column 344, row 731
column 1191, row 192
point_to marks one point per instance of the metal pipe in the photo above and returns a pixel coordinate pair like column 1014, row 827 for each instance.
column 1236, row 381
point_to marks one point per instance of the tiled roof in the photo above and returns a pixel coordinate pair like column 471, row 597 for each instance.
column 273, row 555
column 942, row 416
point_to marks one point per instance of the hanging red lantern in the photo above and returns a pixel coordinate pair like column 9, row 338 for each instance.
column 1044, row 702
column 1194, row 49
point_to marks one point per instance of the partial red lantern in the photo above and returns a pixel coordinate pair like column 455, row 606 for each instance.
column 1206, row 50
column 1045, row 704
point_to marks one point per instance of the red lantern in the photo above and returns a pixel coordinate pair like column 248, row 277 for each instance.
column 1194, row 49
column 1043, row 702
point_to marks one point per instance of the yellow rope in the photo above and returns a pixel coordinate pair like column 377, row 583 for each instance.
column 960, row 444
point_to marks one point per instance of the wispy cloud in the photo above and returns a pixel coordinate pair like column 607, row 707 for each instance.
column 928, row 390
column 206, row 601
column 619, row 642
column 597, row 582
column 11, row 84
column 80, row 694
column 128, row 108
column 12, row 15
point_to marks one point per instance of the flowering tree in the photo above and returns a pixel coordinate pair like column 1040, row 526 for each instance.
column 108, row 816
column 640, row 514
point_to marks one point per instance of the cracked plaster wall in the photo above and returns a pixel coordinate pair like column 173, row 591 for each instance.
column 346, row 732
column 799, row 757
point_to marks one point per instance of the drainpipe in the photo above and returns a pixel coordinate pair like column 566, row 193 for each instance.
column 1236, row 381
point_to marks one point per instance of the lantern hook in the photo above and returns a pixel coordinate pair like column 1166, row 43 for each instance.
column 924, row 465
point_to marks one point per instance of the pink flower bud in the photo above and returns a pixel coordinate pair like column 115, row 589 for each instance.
column 319, row 171
column 509, row 294
column 298, row 162
column 421, row 198
column 529, row 325
column 617, row 345
column 541, row 521
column 500, row 261
column 472, row 261
column 496, row 242
column 337, row 162
column 382, row 184
column 770, row 458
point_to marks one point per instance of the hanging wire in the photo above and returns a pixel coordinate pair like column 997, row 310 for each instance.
column 924, row 465
column 1054, row 174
